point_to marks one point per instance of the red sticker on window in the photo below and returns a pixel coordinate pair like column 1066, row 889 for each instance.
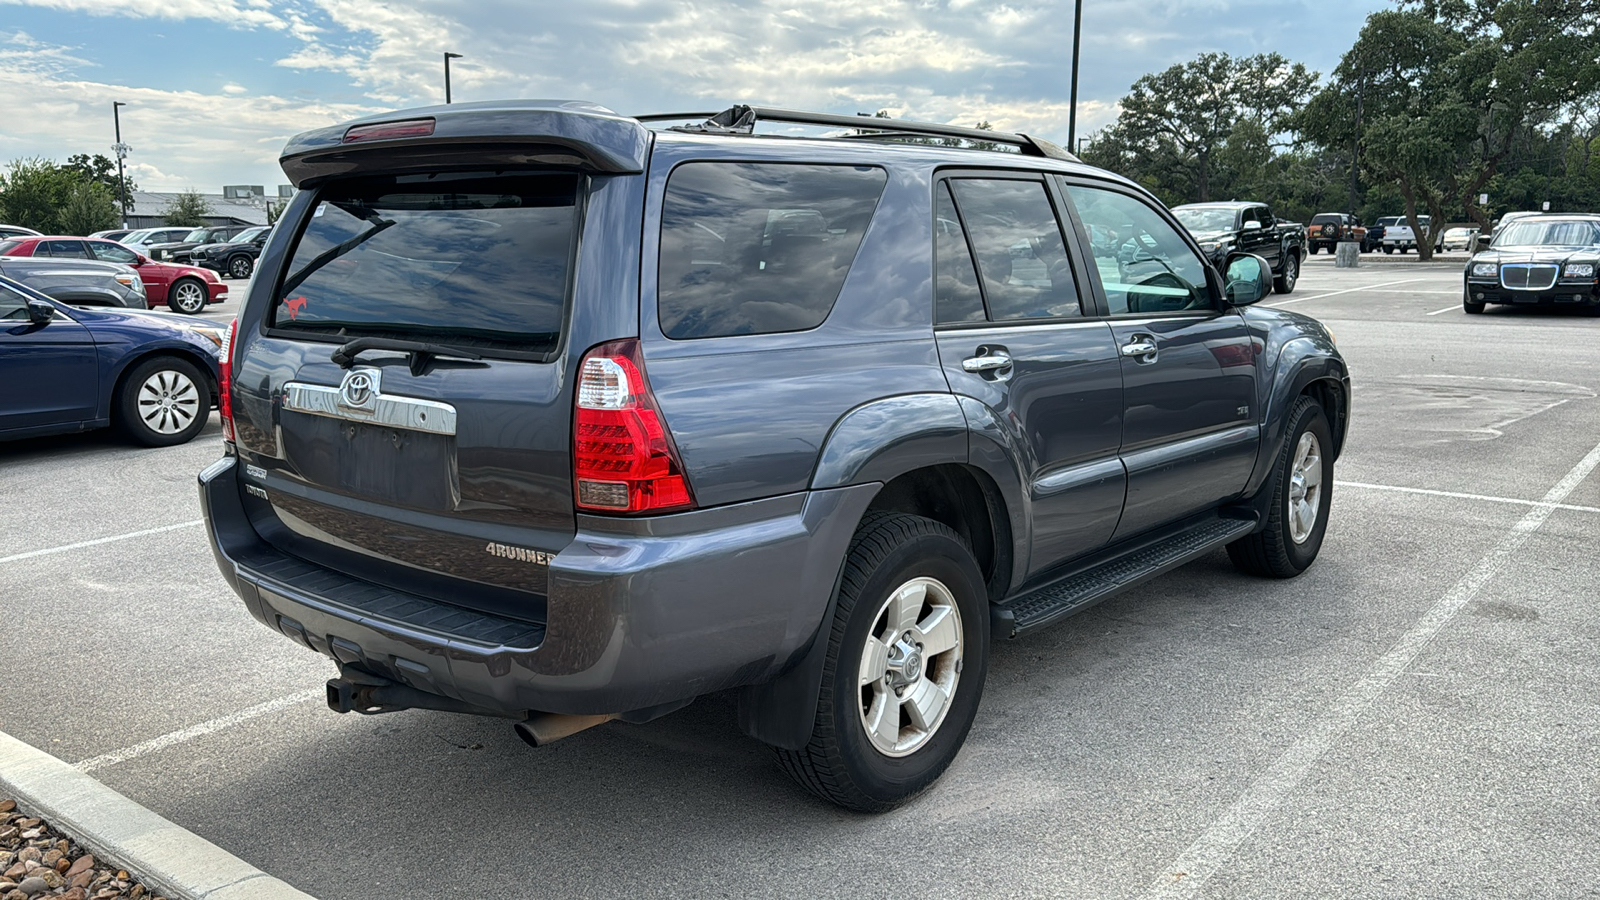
column 295, row 304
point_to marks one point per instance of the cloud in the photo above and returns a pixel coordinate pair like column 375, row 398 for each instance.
column 228, row 12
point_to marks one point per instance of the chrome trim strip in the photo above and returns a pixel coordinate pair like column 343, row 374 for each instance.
column 410, row 413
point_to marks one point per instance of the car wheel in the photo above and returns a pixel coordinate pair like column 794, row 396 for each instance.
column 187, row 295
column 1388, row 248
column 1470, row 307
column 907, row 653
column 241, row 266
column 1302, row 494
column 163, row 401
column 1313, row 250
column 1284, row 284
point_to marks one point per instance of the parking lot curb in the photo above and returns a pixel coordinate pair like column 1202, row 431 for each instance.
column 167, row 858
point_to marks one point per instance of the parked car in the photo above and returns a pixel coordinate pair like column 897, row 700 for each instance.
column 1546, row 260
column 723, row 447
column 1400, row 235
column 155, row 380
column 235, row 257
column 1224, row 228
column 1375, row 233
column 142, row 238
column 79, row 282
column 185, row 289
column 11, row 231
column 180, row 250
column 1328, row 229
column 115, row 234
column 1459, row 238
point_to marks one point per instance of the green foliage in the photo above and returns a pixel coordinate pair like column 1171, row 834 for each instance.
column 100, row 169
column 89, row 207
column 32, row 192
column 187, row 208
column 1181, row 119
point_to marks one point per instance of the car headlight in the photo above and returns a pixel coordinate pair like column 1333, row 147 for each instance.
column 130, row 282
column 1578, row 270
column 1485, row 270
column 210, row 333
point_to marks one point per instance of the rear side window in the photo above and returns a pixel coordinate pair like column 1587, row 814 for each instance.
column 480, row 259
column 9, row 247
column 759, row 248
column 1021, row 255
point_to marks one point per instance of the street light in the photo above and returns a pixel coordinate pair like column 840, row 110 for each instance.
column 121, row 150
column 1072, row 114
column 447, row 58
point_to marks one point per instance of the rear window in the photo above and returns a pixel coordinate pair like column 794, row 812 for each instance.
column 480, row 259
column 759, row 248
column 1326, row 220
column 9, row 247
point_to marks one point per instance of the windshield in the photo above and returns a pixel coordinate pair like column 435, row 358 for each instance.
column 198, row 235
column 1545, row 233
column 248, row 234
column 472, row 259
column 1200, row 219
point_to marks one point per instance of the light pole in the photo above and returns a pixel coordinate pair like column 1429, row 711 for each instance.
column 121, row 150
column 1072, row 114
column 447, row 58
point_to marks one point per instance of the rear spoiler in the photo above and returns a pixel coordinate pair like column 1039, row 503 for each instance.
column 491, row 134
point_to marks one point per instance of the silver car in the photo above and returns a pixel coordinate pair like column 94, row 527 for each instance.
column 79, row 282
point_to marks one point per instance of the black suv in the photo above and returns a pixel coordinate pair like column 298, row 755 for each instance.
column 543, row 412
column 235, row 257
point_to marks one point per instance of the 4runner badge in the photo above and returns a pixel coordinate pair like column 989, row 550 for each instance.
column 521, row 554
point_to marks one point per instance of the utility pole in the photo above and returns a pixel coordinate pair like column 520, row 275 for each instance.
column 121, row 150
column 1072, row 113
column 1355, row 144
column 447, row 58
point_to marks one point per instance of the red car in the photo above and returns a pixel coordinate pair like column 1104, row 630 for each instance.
column 185, row 289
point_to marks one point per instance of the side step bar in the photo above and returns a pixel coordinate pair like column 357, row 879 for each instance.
column 1085, row 587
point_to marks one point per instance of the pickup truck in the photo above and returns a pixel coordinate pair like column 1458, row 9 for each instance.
column 1248, row 227
column 1399, row 236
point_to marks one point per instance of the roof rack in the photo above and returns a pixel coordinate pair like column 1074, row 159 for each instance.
column 742, row 120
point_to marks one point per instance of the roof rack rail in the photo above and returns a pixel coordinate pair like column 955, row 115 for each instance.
column 742, row 120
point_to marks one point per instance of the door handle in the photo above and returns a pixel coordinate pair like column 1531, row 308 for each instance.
column 987, row 360
column 1142, row 347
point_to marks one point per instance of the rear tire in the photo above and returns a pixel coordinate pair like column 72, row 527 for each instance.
column 241, row 266
column 1302, row 495
column 908, row 649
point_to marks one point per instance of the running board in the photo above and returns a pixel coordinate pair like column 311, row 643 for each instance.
column 1059, row 599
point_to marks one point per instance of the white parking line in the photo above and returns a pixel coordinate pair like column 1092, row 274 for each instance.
column 97, row 541
column 1460, row 496
column 1187, row 875
column 188, row 734
column 1452, row 307
column 1365, row 287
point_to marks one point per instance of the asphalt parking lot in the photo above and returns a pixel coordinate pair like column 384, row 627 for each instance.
column 1416, row 716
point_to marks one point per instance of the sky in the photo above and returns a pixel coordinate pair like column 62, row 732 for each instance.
column 214, row 88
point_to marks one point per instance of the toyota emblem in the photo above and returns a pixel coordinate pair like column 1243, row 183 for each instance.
column 358, row 389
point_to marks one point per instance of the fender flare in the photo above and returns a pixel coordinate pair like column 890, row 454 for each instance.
column 1302, row 360
column 885, row 438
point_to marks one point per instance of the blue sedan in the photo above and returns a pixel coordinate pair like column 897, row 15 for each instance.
column 70, row 369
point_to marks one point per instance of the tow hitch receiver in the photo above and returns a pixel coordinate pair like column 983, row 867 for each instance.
column 367, row 694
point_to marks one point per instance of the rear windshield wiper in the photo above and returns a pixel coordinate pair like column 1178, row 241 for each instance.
column 421, row 352
column 334, row 252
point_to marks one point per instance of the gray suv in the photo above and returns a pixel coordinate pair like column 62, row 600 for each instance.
column 543, row 412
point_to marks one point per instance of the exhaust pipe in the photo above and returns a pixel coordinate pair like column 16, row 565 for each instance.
column 542, row 728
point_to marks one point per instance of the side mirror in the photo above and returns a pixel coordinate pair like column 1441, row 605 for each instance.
column 1252, row 225
column 1246, row 278
column 140, row 259
column 1480, row 242
column 40, row 312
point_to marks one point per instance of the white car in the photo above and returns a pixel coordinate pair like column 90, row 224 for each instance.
column 1456, row 239
column 1399, row 236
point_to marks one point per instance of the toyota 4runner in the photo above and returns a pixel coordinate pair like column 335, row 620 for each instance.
column 543, row 412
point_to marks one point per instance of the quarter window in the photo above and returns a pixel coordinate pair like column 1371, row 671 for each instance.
column 759, row 248
column 63, row 250
column 113, row 253
column 1145, row 266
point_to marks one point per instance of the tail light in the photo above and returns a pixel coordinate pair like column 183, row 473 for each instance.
column 225, row 383
column 623, row 459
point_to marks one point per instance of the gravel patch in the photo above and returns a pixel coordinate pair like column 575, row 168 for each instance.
column 38, row 861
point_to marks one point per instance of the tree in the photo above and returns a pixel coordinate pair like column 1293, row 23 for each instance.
column 187, row 208
column 1184, row 115
column 1438, row 93
column 89, row 207
column 32, row 192
column 101, row 169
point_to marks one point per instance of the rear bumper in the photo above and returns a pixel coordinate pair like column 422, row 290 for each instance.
column 641, row 614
